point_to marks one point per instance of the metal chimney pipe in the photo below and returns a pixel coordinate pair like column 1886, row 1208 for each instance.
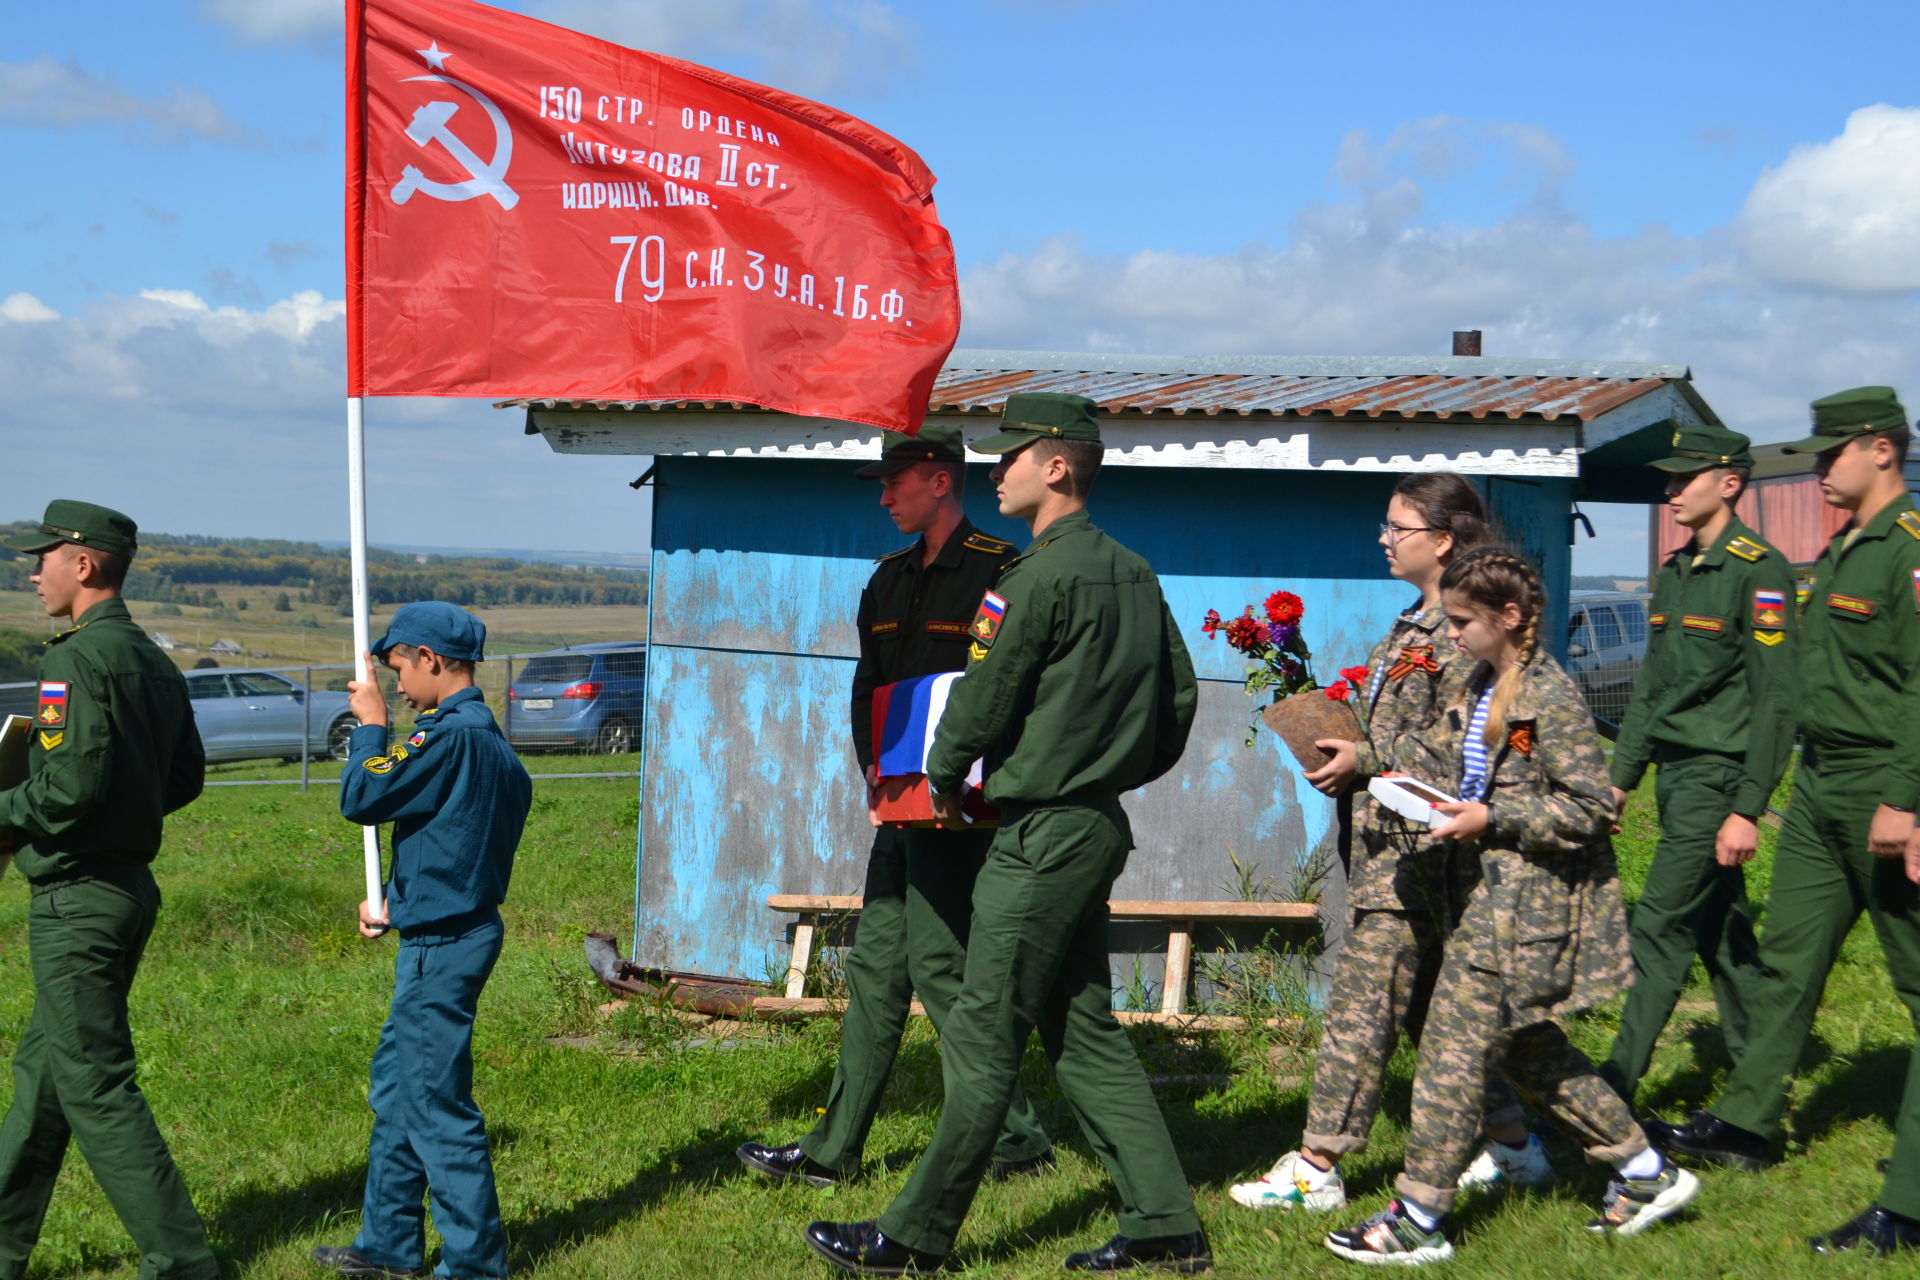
column 1466, row 342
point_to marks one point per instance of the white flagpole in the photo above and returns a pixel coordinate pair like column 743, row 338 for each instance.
column 362, row 632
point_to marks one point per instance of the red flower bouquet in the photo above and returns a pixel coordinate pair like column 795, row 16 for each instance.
column 1281, row 662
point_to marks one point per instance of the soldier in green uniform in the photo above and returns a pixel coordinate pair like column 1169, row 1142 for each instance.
column 1842, row 848
column 1714, row 709
column 918, row 898
column 114, row 752
column 1079, row 689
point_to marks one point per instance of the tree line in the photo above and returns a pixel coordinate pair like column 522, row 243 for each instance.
column 183, row 570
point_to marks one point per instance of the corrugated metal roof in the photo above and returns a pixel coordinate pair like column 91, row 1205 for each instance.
column 1397, row 387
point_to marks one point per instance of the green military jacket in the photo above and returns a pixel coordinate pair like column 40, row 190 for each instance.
column 1415, row 674
column 913, row 618
column 1719, row 673
column 1543, row 908
column 1079, row 686
column 1860, row 651
column 114, row 750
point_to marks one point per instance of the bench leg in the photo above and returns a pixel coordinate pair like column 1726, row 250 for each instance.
column 1173, row 991
column 802, row 957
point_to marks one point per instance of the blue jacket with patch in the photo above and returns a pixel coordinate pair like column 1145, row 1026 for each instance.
column 457, row 797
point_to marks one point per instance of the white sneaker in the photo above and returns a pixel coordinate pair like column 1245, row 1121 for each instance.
column 1499, row 1165
column 1634, row 1204
column 1293, row 1183
column 1391, row 1238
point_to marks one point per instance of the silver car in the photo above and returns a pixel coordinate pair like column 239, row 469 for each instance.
column 1606, row 647
column 250, row 715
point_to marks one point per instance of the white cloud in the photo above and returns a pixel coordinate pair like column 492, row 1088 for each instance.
column 258, row 22
column 1369, row 271
column 1843, row 214
column 227, row 420
column 818, row 48
column 49, row 93
column 24, row 308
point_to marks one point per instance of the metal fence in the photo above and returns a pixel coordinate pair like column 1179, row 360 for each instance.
column 581, row 700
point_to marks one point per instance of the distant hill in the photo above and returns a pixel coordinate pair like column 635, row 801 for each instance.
column 584, row 559
column 176, row 569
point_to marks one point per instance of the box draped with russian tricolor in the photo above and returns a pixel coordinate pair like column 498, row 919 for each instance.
column 906, row 715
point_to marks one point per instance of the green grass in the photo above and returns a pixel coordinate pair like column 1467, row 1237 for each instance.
column 258, row 1007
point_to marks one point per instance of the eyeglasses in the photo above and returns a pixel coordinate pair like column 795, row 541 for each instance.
column 1394, row 532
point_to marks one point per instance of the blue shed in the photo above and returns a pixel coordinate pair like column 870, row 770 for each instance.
column 1233, row 475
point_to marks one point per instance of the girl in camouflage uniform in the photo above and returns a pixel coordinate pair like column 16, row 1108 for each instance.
column 1399, row 920
column 1540, row 933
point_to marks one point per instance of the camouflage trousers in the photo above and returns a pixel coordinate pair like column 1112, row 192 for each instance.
column 1467, row 1039
column 1381, row 988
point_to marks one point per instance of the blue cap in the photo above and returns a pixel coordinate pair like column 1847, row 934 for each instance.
column 447, row 629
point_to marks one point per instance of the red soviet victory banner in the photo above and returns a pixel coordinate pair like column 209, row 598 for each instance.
column 534, row 212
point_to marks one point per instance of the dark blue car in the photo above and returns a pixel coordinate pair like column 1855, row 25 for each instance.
column 586, row 698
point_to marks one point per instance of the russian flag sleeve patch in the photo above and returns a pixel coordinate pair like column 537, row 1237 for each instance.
column 986, row 623
column 53, row 704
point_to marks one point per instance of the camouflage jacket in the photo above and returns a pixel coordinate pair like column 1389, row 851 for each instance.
column 1424, row 674
column 1544, row 910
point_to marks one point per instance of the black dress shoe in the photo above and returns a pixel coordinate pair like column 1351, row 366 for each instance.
column 1003, row 1170
column 863, row 1247
column 1874, row 1230
column 1707, row 1137
column 349, row 1263
column 787, row 1163
column 1186, row 1254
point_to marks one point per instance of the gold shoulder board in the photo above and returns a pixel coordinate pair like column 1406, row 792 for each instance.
column 982, row 542
column 894, row 555
column 1910, row 521
column 1747, row 549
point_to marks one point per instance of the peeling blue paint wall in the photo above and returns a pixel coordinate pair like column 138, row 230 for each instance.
column 751, row 784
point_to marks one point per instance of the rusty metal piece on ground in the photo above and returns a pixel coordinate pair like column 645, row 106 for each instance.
column 700, row 992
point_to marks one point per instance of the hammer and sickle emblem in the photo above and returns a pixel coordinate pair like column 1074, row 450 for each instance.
column 484, row 178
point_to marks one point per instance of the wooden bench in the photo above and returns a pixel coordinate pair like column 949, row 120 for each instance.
column 1181, row 919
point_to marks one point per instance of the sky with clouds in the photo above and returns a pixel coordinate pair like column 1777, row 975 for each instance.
column 1731, row 187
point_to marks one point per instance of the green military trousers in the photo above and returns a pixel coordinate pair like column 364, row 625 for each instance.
column 914, row 921
column 1823, row 878
column 73, row 1076
column 1038, row 959
column 1691, row 906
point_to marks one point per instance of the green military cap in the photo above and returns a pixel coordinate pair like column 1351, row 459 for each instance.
column 101, row 528
column 898, row 451
column 1042, row 415
column 1699, row 446
column 1845, row 415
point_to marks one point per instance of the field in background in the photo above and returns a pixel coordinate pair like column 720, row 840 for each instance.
column 259, row 630
column 258, row 1008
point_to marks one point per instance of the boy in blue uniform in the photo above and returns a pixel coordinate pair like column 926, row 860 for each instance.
column 458, row 798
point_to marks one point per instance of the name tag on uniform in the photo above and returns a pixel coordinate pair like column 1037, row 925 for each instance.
column 1696, row 622
column 1851, row 606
